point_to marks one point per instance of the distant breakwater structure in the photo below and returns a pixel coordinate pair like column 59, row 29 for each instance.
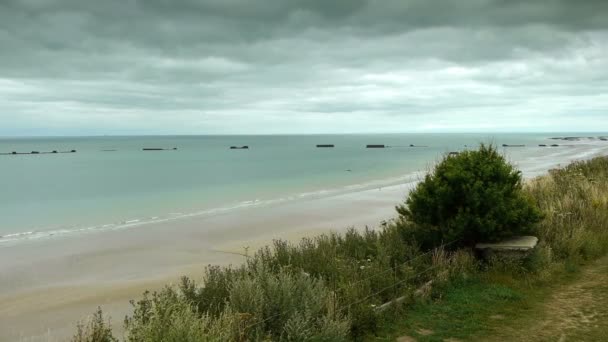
column 14, row 153
column 321, row 146
column 159, row 149
column 393, row 146
column 601, row 138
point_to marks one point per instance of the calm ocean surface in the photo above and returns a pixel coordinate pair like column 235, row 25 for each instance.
column 95, row 188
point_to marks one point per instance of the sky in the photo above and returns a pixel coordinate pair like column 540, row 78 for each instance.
column 79, row 67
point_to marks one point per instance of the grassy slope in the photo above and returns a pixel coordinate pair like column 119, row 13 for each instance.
column 555, row 302
column 572, row 305
column 576, row 310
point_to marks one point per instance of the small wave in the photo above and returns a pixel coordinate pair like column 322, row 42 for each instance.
column 16, row 234
column 257, row 202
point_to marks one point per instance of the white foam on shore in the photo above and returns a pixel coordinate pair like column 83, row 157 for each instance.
column 10, row 239
column 531, row 166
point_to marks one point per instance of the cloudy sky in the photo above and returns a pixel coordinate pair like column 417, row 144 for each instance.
column 77, row 67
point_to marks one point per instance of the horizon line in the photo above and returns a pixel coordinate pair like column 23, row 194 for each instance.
column 291, row 134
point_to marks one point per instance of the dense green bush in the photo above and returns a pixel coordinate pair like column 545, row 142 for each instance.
column 471, row 197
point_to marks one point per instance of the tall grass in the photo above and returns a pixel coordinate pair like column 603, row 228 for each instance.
column 327, row 287
column 574, row 201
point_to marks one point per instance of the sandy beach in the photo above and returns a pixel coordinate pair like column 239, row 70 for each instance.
column 47, row 285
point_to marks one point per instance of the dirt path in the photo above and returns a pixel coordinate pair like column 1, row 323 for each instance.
column 577, row 311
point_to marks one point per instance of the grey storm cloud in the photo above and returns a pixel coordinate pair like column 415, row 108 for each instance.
column 301, row 66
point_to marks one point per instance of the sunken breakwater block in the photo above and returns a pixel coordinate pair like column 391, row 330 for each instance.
column 506, row 145
column 325, row 145
column 239, row 147
column 375, row 146
column 14, row 153
column 542, row 145
column 158, row 149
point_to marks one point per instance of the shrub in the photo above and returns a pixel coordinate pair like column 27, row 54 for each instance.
column 168, row 316
column 474, row 196
column 95, row 330
column 260, row 305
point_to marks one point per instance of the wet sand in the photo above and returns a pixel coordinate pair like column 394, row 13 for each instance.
column 47, row 285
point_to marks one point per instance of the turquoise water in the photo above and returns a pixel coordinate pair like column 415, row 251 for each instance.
column 54, row 194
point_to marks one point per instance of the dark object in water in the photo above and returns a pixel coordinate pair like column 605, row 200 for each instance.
column 325, row 145
column 412, row 145
column 375, row 146
column 505, row 145
column 542, row 145
column 239, row 148
column 453, row 154
column 108, row 150
column 37, row 152
column 554, row 145
column 349, row 170
column 569, row 138
column 156, row 149
column 604, row 139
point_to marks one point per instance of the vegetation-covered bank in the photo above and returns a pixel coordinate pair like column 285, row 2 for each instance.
column 329, row 287
column 559, row 293
column 571, row 305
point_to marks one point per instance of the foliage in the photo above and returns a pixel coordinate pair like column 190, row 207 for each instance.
column 95, row 330
column 326, row 288
column 575, row 202
column 259, row 305
column 474, row 196
column 574, row 229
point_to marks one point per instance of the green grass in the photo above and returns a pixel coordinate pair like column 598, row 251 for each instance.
column 471, row 309
column 573, row 232
column 462, row 312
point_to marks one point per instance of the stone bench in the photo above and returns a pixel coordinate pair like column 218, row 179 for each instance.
column 516, row 247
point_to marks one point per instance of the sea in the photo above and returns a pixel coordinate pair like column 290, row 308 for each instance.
column 111, row 182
